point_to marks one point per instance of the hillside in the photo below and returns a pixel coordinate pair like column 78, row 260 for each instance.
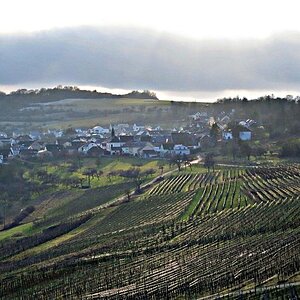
column 194, row 234
column 54, row 106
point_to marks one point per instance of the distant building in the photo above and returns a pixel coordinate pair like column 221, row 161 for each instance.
column 99, row 130
column 227, row 135
column 181, row 150
column 245, row 135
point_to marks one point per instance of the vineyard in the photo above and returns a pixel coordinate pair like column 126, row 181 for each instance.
column 232, row 233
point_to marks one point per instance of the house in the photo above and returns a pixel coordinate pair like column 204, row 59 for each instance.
column 146, row 138
column 143, row 136
column 241, row 132
column 15, row 150
column 227, row 135
column 126, row 138
column 166, row 149
column 183, row 138
column 148, row 152
column 114, row 145
column 5, row 152
column 56, row 133
column 245, row 134
column 78, row 143
column 161, row 138
column 17, row 133
column 37, row 146
column 198, row 115
column 3, row 135
column 55, row 149
column 132, row 148
column 35, row 135
column 99, row 130
column 5, row 142
column 23, row 138
column 86, row 147
column 248, row 123
column 95, row 151
column 137, row 128
column 44, row 153
column 225, row 120
column 181, row 150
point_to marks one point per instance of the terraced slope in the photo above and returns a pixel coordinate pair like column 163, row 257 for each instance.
column 192, row 235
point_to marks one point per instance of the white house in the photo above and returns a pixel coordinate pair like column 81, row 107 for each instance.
column 132, row 148
column 181, row 150
column 15, row 150
column 148, row 152
column 137, row 128
column 227, row 135
column 99, row 130
column 198, row 115
column 114, row 146
column 86, row 147
column 245, row 135
column 56, row 133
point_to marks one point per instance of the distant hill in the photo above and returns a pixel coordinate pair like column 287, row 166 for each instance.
column 23, row 96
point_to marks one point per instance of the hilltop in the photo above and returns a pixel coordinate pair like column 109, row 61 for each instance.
column 68, row 92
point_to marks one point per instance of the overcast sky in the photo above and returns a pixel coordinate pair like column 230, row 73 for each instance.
column 180, row 49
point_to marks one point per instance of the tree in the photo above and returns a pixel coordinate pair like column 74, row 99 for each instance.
column 90, row 173
column 161, row 168
column 214, row 132
column 209, row 161
column 128, row 194
column 135, row 174
column 187, row 161
column 149, row 172
column 259, row 151
column 176, row 160
column 246, row 150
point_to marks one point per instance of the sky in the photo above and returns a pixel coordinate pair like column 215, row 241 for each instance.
column 182, row 50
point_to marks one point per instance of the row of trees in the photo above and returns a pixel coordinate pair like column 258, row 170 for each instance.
column 242, row 149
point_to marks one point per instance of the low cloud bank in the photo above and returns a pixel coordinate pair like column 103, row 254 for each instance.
column 145, row 59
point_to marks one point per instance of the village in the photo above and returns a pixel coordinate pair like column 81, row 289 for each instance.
column 199, row 132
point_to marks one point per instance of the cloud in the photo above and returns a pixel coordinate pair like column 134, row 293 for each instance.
column 144, row 59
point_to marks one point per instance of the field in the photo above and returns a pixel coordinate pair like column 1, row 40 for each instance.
column 195, row 233
column 87, row 113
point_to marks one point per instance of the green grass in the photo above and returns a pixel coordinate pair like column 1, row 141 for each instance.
column 20, row 230
column 188, row 212
column 56, row 241
column 138, row 111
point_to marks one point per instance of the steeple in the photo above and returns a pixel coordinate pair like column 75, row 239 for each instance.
column 112, row 132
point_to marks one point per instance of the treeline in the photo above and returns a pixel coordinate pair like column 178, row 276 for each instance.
column 264, row 99
column 279, row 116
